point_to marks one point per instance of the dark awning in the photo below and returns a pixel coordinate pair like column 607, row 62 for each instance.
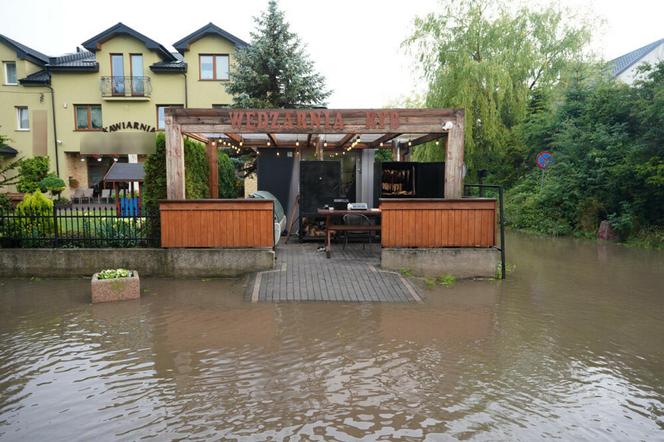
column 125, row 172
column 8, row 151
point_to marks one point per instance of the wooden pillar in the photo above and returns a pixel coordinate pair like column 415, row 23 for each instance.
column 454, row 158
column 174, row 161
column 213, row 175
column 319, row 148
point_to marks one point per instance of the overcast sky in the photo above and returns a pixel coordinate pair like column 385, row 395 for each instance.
column 354, row 43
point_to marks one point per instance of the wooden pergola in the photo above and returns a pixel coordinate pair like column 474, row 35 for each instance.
column 322, row 129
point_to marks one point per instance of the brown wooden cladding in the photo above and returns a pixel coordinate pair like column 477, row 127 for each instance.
column 438, row 223
column 217, row 223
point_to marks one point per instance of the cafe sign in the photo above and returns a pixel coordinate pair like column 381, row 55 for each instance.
column 308, row 119
column 129, row 125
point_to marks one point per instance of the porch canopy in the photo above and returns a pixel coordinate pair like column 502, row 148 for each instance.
column 323, row 129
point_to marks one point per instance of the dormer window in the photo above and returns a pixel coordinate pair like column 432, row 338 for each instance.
column 214, row 67
column 10, row 72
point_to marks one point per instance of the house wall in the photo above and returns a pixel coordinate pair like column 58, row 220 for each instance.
column 37, row 99
column 77, row 88
column 205, row 93
column 653, row 57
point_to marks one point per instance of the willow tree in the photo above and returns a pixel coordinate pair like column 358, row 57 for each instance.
column 275, row 70
column 488, row 59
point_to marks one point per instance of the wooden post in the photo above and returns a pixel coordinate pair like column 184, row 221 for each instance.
column 454, row 159
column 213, row 175
column 174, row 161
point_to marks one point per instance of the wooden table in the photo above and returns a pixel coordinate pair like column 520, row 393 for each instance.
column 330, row 227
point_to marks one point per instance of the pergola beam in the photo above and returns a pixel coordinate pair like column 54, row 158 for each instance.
column 423, row 139
column 383, row 139
column 272, row 139
column 344, row 140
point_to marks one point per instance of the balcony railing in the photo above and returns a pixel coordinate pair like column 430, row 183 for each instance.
column 125, row 86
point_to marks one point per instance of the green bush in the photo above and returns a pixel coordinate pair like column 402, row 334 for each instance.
column 5, row 202
column 31, row 172
column 52, row 183
column 36, row 218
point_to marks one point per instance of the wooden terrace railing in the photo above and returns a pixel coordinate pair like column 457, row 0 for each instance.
column 218, row 223
column 431, row 223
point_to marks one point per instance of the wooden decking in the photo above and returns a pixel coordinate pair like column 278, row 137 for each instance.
column 303, row 273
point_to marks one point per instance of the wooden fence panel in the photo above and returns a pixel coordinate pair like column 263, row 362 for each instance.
column 430, row 223
column 217, row 223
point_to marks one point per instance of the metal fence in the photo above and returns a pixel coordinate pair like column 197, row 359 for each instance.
column 77, row 227
column 482, row 190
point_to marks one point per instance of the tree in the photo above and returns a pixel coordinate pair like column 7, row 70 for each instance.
column 478, row 55
column 275, row 70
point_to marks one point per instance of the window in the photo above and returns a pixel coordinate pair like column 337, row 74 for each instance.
column 161, row 121
column 214, row 67
column 88, row 116
column 117, row 74
column 22, row 120
column 10, row 72
column 137, row 79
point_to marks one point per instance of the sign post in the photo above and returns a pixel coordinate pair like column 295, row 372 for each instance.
column 543, row 160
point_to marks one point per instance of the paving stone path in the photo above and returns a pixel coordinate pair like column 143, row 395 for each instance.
column 302, row 273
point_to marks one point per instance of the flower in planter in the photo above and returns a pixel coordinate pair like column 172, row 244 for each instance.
column 114, row 274
column 115, row 285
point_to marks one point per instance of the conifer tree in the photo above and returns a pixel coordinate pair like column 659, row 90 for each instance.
column 275, row 71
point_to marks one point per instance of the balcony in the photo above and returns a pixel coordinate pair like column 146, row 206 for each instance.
column 125, row 88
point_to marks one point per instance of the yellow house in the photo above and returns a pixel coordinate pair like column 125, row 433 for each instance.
column 105, row 102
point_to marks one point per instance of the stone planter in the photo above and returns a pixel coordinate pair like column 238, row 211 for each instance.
column 117, row 289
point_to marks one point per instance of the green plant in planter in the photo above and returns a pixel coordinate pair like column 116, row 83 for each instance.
column 53, row 184
column 114, row 274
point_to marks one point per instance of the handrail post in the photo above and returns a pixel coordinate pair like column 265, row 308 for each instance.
column 502, row 233
column 55, row 226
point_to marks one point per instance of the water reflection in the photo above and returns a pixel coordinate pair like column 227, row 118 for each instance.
column 569, row 346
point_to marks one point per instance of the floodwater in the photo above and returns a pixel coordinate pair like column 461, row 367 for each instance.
column 570, row 346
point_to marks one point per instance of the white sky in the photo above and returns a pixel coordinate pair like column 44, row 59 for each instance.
column 354, row 43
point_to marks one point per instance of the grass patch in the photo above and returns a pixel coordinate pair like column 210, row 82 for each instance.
column 446, row 280
column 406, row 272
column 430, row 282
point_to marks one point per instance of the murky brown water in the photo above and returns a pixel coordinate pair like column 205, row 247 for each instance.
column 570, row 346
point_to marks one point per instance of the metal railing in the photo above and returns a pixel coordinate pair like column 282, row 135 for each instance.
column 77, row 227
column 125, row 86
column 501, row 217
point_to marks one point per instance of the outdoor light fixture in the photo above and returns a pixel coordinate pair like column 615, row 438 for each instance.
column 82, row 158
column 115, row 159
column 437, row 142
column 381, row 144
column 410, row 143
column 277, row 153
column 99, row 159
column 297, row 142
column 240, row 143
column 325, row 144
column 447, row 126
